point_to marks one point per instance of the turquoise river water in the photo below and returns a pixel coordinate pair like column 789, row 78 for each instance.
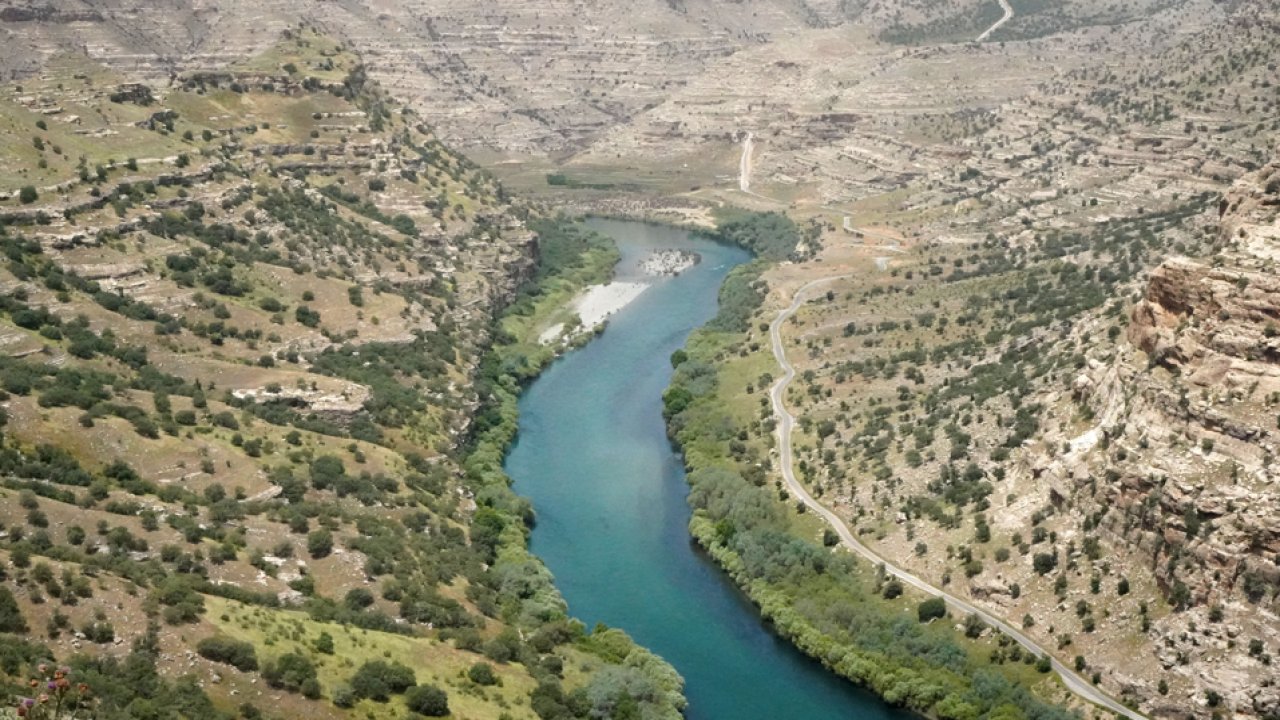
column 609, row 490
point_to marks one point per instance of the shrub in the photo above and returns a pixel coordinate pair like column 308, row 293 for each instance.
column 320, row 543
column 344, row 697
column 482, row 674
column 99, row 632
column 11, row 620
column 290, row 672
column 429, row 700
column 307, row 316
column 1044, row 563
column 239, row 655
column 377, row 680
column 182, row 603
column 28, row 194
column 892, row 589
column 932, row 608
column 973, row 626
column 324, row 643
column 358, row 598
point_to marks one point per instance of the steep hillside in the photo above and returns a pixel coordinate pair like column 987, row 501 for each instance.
column 984, row 396
column 974, row 409
column 242, row 321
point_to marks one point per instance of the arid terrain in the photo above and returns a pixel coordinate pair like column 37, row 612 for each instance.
column 1043, row 375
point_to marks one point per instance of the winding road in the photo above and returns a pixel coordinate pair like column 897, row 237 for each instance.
column 786, row 421
column 1008, row 15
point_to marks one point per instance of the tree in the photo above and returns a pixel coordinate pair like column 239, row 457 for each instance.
column 291, row 672
column 973, row 625
column 892, row 589
column 358, row 598
column 319, row 543
column 324, row 643
column 428, row 700
column 377, row 680
column 28, row 194
column 240, row 655
column 932, row 608
column 11, row 620
column 1044, row 563
column 1180, row 596
column 182, row 603
column 482, row 674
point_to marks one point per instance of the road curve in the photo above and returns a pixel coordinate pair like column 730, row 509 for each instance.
column 1008, row 15
column 786, row 421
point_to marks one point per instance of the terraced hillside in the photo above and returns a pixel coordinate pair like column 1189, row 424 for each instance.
column 242, row 317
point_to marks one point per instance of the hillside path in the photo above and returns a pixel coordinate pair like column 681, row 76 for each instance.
column 744, row 163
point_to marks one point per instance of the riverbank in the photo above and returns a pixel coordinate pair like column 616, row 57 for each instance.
column 606, row 663
column 588, row 311
column 857, row 621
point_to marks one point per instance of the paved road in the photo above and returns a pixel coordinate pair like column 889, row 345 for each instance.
column 786, row 421
column 1008, row 15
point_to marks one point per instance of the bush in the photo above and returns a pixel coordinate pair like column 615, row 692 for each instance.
column 429, row 700
column 1044, row 563
column 290, row 671
column 307, row 316
column 27, row 195
column 324, row 643
column 358, row 598
column 377, row 680
column 99, row 632
column 932, row 608
column 320, row 543
column 343, row 696
column 239, row 655
column 482, row 674
column 182, row 603
column 892, row 589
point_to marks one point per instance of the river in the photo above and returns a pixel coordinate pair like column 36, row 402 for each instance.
column 593, row 456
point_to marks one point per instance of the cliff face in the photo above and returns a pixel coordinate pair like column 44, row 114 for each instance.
column 1191, row 453
column 1215, row 326
column 1218, row 318
column 1168, row 461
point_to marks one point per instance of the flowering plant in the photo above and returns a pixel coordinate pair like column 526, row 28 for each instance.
column 54, row 696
